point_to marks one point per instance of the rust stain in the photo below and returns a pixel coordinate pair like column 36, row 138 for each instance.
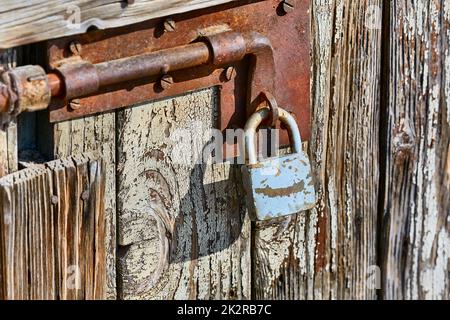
column 154, row 154
column 278, row 173
column 282, row 192
column 23, row 89
column 257, row 166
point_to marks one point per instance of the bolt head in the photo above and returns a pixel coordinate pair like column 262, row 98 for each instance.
column 230, row 73
column 166, row 82
column 288, row 6
column 75, row 104
column 170, row 25
column 85, row 195
column 75, row 48
column 54, row 200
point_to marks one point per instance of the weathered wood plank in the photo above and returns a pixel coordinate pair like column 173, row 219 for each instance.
column 330, row 252
column 415, row 233
column 8, row 145
column 183, row 231
column 8, row 124
column 96, row 135
column 38, row 20
column 41, row 259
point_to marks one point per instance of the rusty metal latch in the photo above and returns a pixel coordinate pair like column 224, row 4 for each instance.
column 24, row 89
column 29, row 88
column 249, row 50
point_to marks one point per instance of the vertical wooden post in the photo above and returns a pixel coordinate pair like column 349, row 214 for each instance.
column 330, row 252
column 97, row 135
column 415, row 234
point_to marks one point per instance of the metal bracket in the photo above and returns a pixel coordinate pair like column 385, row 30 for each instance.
column 246, row 48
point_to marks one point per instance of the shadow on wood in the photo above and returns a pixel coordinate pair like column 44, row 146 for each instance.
column 218, row 240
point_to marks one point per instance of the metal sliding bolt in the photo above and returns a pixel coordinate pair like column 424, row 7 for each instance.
column 4, row 98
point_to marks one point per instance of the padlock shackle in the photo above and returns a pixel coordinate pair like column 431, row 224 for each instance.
column 255, row 121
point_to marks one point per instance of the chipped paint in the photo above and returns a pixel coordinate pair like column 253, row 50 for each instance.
column 279, row 186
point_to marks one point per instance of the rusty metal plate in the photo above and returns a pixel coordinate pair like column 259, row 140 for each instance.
column 289, row 34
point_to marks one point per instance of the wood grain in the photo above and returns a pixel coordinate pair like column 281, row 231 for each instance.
column 415, row 232
column 96, row 135
column 183, row 230
column 52, row 231
column 38, row 20
column 330, row 252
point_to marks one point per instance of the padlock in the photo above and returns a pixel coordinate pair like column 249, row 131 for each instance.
column 277, row 186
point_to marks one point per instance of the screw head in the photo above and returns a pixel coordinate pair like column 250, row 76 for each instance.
column 85, row 195
column 166, row 81
column 169, row 25
column 230, row 73
column 288, row 6
column 75, row 48
column 75, row 104
column 54, row 200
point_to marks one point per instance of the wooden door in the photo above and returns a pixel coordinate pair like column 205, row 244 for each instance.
column 380, row 153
